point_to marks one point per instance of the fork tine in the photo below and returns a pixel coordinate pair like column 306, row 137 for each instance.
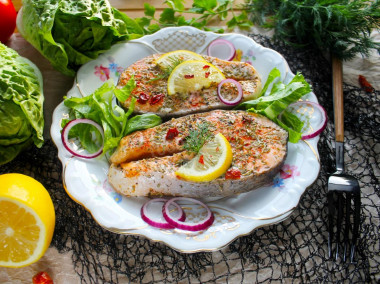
column 355, row 231
column 339, row 224
column 347, row 224
column 330, row 199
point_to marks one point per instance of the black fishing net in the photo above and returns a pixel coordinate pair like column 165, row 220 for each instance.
column 294, row 250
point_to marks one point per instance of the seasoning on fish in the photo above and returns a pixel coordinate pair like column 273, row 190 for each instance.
column 152, row 81
column 146, row 161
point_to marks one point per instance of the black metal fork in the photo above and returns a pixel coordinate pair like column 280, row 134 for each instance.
column 342, row 188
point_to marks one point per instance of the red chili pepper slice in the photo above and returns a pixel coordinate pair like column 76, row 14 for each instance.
column 189, row 76
column 156, row 99
column 365, row 84
column 206, row 66
column 207, row 74
column 42, row 278
column 143, row 98
column 201, row 160
column 172, row 133
column 233, row 174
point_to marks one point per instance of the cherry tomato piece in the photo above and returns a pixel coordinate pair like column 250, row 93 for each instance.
column 8, row 17
column 42, row 277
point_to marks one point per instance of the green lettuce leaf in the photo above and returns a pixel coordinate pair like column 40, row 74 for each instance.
column 70, row 33
column 115, row 121
column 21, row 105
column 280, row 97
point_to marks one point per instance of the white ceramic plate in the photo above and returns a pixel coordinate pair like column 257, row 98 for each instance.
column 86, row 180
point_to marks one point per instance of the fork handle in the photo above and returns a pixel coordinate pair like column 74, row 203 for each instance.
column 337, row 77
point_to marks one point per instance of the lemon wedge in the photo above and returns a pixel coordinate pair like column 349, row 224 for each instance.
column 193, row 75
column 169, row 60
column 27, row 220
column 213, row 160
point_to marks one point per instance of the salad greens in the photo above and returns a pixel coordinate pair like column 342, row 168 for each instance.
column 21, row 105
column 274, row 104
column 114, row 120
column 70, row 33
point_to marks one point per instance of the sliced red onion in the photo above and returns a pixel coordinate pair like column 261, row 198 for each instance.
column 239, row 96
column 154, row 217
column 222, row 49
column 312, row 114
column 65, row 137
column 199, row 226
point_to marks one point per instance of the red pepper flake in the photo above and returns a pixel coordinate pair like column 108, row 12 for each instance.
column 172, row 133
column 233, row 174
column 201, row 160
column 188, row 76
column 143, row 98
column 365, row 84
column 206, row 66
column 156, row 99
column 42, row 278
column 207, row 74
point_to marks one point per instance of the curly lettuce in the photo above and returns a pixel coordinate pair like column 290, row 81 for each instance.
column 115, row 121
column 70, row 33
column 21, row 105
column 279, row 98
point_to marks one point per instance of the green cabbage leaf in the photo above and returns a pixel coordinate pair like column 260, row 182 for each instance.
column 21, row 105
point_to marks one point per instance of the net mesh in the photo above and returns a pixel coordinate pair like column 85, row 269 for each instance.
column 294, row 250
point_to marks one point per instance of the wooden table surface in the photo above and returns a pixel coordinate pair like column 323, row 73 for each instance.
column 134, row 8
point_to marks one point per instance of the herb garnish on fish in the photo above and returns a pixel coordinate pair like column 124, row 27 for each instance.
column 167, row 70
column 197, row 138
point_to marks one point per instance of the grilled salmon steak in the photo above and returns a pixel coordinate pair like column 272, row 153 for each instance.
column 152, row 95
column 146, row 161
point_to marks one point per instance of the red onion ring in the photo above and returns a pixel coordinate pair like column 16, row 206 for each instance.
column 318, row 124
column 214, row 49
column 203, row 225
column 238, row 98
column 161, row 225
column 65, row 137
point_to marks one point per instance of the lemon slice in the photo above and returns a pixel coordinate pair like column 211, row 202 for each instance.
column 213, row 160
column 193, row 75
column 169, row 60
column 27, row 220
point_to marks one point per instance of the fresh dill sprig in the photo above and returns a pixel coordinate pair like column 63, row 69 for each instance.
column 197, row 138
column 342, row 27
column 168, row 69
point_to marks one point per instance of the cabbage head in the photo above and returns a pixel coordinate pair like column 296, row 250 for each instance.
column 21, row 105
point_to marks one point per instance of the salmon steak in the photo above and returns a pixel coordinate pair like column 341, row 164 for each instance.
column 151, row 91
column 145, row 162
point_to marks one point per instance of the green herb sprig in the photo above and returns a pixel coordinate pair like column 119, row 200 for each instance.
column 204, row 13
column 197, row 138
column 340, row 27
column 167, row 70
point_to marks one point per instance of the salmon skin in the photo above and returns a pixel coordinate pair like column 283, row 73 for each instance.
column 152, row 95
column 146, row 161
